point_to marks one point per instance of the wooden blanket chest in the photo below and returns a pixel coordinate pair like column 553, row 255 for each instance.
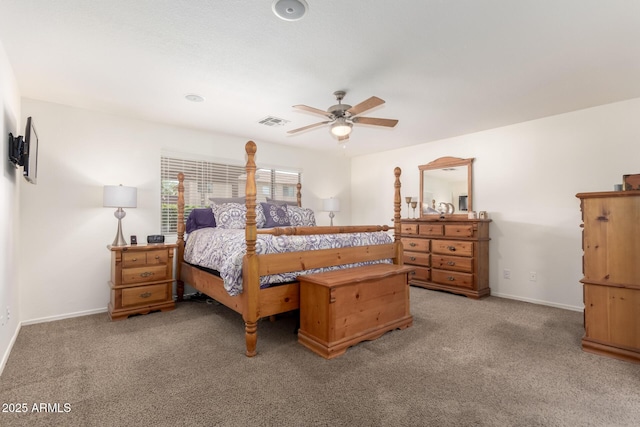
column 341, row 308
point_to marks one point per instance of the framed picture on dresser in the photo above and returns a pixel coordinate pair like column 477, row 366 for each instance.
column 631, row 182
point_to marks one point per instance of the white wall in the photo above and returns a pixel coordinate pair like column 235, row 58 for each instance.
column 9, row 210
column 65, row 230
column 526, row 177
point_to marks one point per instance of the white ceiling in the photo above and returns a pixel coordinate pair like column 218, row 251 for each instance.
column 444, row 67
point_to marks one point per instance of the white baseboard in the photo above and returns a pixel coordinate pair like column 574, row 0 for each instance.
column 64, row 316
column 6, row 354
column 539, row 302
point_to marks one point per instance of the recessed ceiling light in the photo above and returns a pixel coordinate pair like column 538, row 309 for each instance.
column 289, row 10
column 194, row 97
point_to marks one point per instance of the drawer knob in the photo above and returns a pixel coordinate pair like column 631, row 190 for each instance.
column 451, row 279
column 146, row 274
column 451, row 263
column 412, row 258
column 451, row 248
column 157, row 256
column 134, row 259
column 412, row 244
column 145, row 295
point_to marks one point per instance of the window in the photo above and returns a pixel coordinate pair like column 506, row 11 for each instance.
column 206, row 179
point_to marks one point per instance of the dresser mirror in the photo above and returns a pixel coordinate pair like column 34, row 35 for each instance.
column 445, row 187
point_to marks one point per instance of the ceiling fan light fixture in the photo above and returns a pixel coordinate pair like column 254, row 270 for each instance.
column 341, row 127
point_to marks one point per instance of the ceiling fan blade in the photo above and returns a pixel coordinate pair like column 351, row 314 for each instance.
column 375, row 121
column 314, row 110
column 368, row 104
column 309, row 127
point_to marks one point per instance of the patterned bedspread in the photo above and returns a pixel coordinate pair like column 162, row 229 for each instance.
column 223, row 249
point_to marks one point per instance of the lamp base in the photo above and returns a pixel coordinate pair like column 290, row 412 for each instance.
column 119, row 239
column 331, row 215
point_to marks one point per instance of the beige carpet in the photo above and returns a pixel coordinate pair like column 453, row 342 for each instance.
column 493, row 362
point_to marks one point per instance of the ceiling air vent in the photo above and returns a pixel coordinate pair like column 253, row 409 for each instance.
column 273, row 121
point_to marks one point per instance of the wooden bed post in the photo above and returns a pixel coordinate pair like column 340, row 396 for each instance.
column 397, row 223
column 299, row 194
column 250, row 276
column 180, row 229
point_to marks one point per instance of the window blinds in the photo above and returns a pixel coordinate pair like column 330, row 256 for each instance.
column 206, row 179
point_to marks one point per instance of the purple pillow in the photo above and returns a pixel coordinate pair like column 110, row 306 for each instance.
column 200, row 218
column 275, row 215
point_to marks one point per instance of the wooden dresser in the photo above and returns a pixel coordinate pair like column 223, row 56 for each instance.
column 611, row 269
column 449, row 254
column 141, row 279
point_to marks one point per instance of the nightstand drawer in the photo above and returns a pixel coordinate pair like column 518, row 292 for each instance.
column 150, row 273
column 416, row 258
column 142, row 295
column 452, row 263
column 136, row 259
column 417, row 245
column 451, row 278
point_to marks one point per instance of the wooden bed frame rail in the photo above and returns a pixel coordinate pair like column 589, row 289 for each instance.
column 255, row 303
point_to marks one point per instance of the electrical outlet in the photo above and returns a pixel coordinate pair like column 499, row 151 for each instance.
column 506, row 274
column 533, row 276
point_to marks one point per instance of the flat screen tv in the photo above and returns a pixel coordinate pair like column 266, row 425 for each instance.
column 30, row 170
column 23, row 151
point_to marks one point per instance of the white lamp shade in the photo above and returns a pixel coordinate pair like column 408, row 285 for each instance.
column 331, row 205
column 119, row 196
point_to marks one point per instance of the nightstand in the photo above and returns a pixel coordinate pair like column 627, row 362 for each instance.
column 141, row 279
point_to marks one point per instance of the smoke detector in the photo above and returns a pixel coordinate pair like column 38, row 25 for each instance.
column 290, row 10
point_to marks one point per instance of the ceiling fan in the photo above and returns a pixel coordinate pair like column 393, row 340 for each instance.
column 342, row 117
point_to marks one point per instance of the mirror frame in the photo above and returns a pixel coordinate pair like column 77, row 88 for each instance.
column 448, row 162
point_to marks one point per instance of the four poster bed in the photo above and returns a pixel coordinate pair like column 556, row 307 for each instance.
column 253, row 298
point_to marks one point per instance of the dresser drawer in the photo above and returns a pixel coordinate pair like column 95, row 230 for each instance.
column 151, row 273
column 135, row 259
column 145, row 294
column 452, row 263
column 452, row 247
column 431, row 229
column 420, row 273
column 450, row 278
column 409, row 228
column 416, row 245
column 416, row 258
column 463, row 230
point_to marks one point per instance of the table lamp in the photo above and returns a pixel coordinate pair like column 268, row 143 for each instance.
column 119, row 196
